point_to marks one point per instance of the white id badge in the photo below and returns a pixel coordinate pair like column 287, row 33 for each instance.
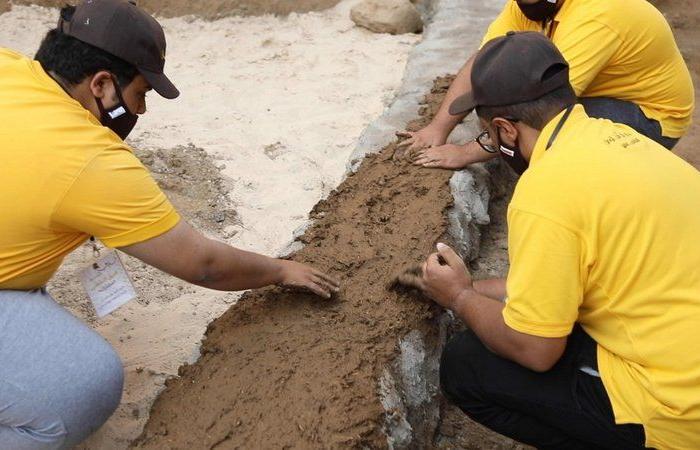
column 107, row 283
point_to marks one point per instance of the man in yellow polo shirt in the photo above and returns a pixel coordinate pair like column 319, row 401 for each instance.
column 597, row 344
column 65, row 175
column 625, row 66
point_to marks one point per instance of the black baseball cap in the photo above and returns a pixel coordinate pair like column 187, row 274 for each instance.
column 122, row 29
column 515, row 68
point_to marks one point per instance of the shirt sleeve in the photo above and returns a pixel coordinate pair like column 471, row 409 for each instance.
column 116, row 200
column 544, row 283
column 588, row 48
column 510, row 19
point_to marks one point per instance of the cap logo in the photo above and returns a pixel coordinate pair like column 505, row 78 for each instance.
column 87, row 21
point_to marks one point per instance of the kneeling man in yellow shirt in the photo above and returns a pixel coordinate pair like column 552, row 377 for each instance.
column 624, row 66
column 65, row 175
column 593, row 340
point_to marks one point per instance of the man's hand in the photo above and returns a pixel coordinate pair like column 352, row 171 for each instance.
column 299, row 275
column 452, row 156
column 443, row 277
column 448, row 156
column 430, row 136
column 187, row 254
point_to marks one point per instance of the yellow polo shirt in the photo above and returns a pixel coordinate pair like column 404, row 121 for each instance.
column 603, row 230
column 63, row 177
column 622, row 49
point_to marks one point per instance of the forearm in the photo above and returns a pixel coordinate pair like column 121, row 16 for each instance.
column 231, row 269
column 460, row 86
column 494, row 288
column 476, row 154
column 484, row 316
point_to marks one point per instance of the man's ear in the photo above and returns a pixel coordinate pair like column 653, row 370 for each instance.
column 507, row 132
column 102, row 85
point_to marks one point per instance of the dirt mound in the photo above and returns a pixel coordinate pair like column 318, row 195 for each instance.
column 285, row 370
column 193, row 183
column 210, row 9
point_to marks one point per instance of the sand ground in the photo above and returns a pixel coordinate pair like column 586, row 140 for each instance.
column 271, row 108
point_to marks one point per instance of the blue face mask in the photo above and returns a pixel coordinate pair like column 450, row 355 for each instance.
column 539, row 11
column 117, row 118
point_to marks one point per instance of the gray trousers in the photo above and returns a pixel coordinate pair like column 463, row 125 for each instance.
column 627, row 113
column 59, row 379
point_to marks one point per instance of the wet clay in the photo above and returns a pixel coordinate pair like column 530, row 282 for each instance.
column 209, row 9
column 283, row 369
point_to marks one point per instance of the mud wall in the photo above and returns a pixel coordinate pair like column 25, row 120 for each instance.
column 362, row 370
column 286, row 370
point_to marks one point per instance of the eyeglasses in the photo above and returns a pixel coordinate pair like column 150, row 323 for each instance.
column 485, row 142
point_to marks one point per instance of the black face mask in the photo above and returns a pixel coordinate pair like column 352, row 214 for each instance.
column 118, row 118
column 514, row 158
column 539, row 11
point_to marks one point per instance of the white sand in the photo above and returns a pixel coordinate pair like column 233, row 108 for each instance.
column 306, row 85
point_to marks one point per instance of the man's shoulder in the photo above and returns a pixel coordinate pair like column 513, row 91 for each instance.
column 7, row 54
column 615, row 14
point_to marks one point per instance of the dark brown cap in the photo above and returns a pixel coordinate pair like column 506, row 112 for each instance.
column 515, row 68
column 124, row 30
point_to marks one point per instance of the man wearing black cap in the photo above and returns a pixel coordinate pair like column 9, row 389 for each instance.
column 596, row 344
column 624, row 66
column 66, row 174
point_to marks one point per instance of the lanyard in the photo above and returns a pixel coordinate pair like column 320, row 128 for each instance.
column 561, row 123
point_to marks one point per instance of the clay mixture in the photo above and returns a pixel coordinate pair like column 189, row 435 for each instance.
column 286, row 370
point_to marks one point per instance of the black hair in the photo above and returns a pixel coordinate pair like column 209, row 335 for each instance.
column 536, row 113
column 74, row 60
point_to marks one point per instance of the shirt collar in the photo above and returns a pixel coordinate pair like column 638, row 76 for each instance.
column 540, row 149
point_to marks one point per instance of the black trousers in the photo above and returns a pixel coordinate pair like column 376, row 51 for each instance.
column 564, row 408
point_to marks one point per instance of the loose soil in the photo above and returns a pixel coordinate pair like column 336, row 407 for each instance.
column 210, row 9
column 286, row 370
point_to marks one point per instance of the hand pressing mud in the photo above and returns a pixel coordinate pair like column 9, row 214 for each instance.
column 410, row 277
column 299, row 276
column 443, row 277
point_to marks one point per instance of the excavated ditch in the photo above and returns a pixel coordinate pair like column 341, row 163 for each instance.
column 283, row 369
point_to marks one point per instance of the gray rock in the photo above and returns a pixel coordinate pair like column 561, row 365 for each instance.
column 387, row 16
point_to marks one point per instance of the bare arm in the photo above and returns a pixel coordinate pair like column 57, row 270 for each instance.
column 460, row 86
column 451, row 286
column 494, row 288
column 185, row 253
column 484, row 316
column 451, row 156
column 443, row 123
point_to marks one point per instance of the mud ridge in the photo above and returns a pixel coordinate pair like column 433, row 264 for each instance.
column 285, row 370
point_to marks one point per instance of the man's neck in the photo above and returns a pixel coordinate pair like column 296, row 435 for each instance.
column 76, row 92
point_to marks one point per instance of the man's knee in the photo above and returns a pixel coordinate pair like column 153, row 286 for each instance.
column 459, row 366
column 96, row 396
column 26, row 423
column 109, row 372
